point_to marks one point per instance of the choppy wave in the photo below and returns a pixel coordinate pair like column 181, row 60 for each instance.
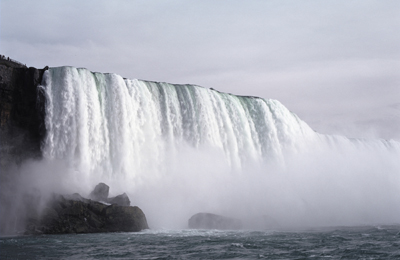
column 366, row 242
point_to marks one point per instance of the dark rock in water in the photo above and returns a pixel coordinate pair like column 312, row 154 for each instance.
column 213, row 221
column 124, row 218
column 121, row 200
column 66, row 215
column 100, row 192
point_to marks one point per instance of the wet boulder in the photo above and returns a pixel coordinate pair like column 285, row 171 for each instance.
column 75, row 214
column 121, row 200
column 100, row 192
column 124, row 218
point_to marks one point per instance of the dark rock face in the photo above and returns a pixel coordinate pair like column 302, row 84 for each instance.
column 21, row 129
column 122, row 200
column 100, row 192
column 21, row 111
column 123, row 218
column 213, row 221
column 75, row 214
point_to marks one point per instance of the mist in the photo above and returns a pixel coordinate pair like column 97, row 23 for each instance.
column 319, row 188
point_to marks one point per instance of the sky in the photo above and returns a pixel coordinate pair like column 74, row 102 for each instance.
column 334, row 63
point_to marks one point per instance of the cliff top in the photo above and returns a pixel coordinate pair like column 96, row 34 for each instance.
column 7, row 61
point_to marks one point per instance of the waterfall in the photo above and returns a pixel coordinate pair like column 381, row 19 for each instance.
column 207, row 150
column 104, row 122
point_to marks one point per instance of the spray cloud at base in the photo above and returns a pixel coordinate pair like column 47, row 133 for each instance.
column 177, row 150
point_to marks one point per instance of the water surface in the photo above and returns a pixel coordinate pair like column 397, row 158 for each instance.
column 367, row 242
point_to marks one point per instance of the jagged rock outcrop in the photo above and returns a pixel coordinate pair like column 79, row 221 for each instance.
column 213, row 221
column 122, row 200
column 100, row 193
column 75, row 214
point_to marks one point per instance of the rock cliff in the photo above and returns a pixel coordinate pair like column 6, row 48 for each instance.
column 21, row 112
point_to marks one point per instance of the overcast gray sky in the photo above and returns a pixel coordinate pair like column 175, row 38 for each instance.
column 335, row 63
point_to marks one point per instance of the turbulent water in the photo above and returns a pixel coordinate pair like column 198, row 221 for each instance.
column 333, row 243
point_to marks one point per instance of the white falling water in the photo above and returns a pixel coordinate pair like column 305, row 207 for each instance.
column 184, row 148
column 107, row 123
